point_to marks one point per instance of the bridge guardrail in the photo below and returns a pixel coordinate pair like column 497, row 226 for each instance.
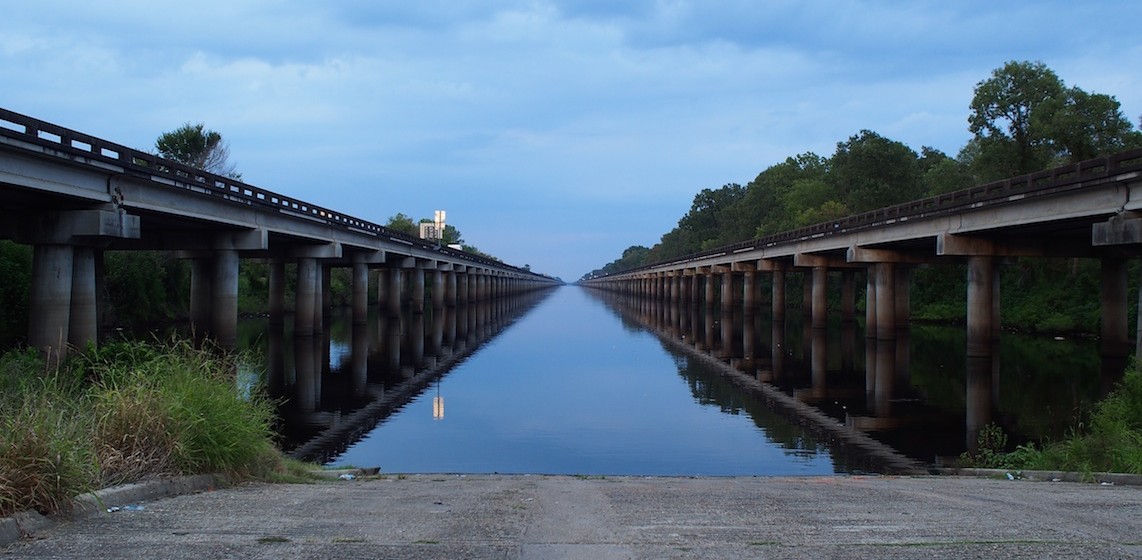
column 80, row 147
column 1041, row 183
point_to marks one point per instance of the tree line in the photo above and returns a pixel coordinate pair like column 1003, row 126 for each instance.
column 1023, row 118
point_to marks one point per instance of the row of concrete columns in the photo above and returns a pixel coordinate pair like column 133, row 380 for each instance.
column 66, row 279
column 887, row 296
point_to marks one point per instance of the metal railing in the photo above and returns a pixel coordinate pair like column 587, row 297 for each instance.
column 83, row 149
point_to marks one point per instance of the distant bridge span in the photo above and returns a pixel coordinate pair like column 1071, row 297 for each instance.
column 72, row 195
column 1091, row 209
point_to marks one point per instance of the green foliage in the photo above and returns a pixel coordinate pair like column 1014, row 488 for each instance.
column 1111, row 441
column 1004, row 108
column 15, row 291
column 194, row 145
column 124, row 412
column 146, row 286
column 403, row 224
column 870, row 171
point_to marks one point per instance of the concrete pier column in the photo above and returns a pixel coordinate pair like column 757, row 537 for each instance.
column 778, row 294
column 981, row 274
column 395, row 289
column 324, row 311
column 382, row 287
column 305, row 297
column 729, row 291
column 848, row 296
column 360, row 293
column 320, row 288
column 84, row 321
column 749, row 290
column 711, row 290
column 416, row 281
column 820, row 293
column 49, row 320
column 885, row 301
column 870, row 300
column 224, row 313
column 201, row 282
column 277, row 288
column 437, row 290
column 451, row 293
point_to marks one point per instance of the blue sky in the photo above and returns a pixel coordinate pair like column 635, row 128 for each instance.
column 554, row 133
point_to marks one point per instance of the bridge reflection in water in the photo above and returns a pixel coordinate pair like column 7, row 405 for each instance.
column 578, row 387
column 337, row 385
column 918, row 393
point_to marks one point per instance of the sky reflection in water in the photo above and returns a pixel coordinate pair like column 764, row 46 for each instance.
column 568, row 390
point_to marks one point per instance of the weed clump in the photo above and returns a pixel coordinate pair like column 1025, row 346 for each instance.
column 126, row 412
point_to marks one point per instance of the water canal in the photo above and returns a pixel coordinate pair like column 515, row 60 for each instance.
column 570, row 381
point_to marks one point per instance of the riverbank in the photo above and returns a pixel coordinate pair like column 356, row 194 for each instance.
column 521, row 516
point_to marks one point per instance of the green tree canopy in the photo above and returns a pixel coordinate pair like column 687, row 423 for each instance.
column 403, row 224
column 1003, row 106
column 194, row 145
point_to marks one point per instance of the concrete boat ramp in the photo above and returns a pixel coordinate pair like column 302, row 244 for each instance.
column 598, row 518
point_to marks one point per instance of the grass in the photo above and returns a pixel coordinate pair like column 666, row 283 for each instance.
column 127, row 412
column 1109, row 441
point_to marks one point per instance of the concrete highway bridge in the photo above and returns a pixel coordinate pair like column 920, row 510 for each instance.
column 1089, row 209
column 73, row 196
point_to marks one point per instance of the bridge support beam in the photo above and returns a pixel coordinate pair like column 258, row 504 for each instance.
column 711, row 289
column 83, row 325
column 437, row 290
column 778, row 293
column 885, row 301
column 224, row 295
column 305, row 302
column 820, row 293
column 395, row 287
column 417, row 281
column 49, row 322
column 360, row 293
column 729, row 290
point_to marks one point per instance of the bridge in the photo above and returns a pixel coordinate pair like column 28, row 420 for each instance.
column 73, row 196
column 1091, row 209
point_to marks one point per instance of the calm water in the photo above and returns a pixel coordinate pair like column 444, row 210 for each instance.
column 569, row 389
column 572, row 381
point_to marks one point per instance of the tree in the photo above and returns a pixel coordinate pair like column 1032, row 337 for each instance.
column 1081, row 125
column 1002, row 109
column 870, row 171
column 403, row 224
column 194, row 145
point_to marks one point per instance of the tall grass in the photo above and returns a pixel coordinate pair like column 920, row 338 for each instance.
column 125, row 412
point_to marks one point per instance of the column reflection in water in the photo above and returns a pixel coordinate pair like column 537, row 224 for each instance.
column 726, row 334
column 820, row 364
column 411, row 351
column 778, row 348
column 359, row 359
column 306, row 384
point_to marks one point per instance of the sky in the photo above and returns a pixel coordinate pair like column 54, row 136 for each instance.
column 557, row 133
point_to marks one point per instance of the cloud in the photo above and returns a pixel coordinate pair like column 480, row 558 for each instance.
column 589, row 125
